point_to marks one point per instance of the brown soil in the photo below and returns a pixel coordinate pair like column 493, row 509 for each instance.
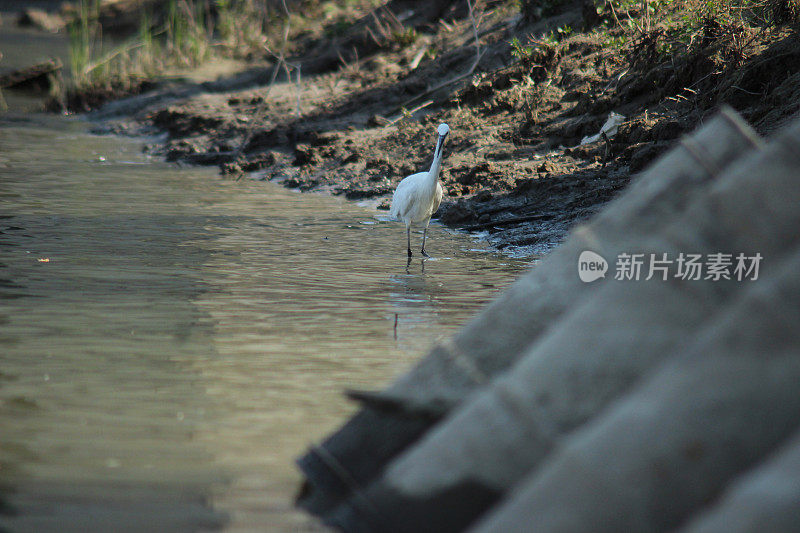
column 513, row 165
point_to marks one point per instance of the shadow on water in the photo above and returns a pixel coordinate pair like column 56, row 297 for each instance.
column 413, row 290
column 171, row 341
column 8, row 287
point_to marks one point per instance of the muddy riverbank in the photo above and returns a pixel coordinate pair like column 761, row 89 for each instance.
column 514, row 165
column 520, row 100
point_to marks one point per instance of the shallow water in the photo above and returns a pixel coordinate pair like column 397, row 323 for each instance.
column 171, row 341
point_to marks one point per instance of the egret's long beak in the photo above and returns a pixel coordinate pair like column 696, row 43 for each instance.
column 440, row 143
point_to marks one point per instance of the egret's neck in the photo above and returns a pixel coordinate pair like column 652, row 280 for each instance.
column 437, row 160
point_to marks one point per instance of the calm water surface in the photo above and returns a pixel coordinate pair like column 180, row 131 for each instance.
column 171, row 341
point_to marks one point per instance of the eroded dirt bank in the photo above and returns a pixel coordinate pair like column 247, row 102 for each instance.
column 373, row 90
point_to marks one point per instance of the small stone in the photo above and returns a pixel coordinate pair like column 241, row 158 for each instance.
column 483, row 196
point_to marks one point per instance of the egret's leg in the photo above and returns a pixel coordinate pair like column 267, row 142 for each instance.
column 408, row 235
column 424, row 233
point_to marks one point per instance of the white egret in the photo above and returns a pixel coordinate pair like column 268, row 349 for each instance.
column 418, row 196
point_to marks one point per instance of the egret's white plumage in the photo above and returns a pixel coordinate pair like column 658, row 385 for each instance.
column 418, row 196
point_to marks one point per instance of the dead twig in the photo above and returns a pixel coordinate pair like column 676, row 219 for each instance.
column 417, row 58
column 280, row 62
column 614, row 14
column 438, row 86
column 627, row 13
column 409, row 113
column 475, row 30
column 299, row 90
column 350, row 68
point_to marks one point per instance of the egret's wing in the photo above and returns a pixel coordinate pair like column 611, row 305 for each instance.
column 437, row 199
column 402, row 199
